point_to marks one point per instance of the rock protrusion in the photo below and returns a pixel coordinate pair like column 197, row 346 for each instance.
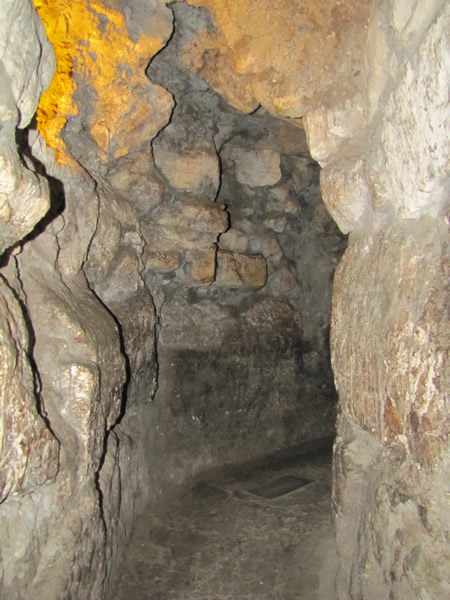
column 236, row 270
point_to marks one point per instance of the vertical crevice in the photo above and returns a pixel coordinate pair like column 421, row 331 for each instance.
column 123, row 352
column 108, row 431
column 225, row 207
column 158, row 303
column 97, row 483
column 21, row 298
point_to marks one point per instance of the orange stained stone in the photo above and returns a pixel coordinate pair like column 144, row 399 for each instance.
column 285, row 53
column 92, row 45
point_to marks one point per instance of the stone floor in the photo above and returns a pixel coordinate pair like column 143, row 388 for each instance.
column 238, row 535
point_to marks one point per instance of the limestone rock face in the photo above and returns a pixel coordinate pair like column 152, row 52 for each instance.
column 257, row 168
column 227, row 261
column 189, row 172
column 234, row 269
column 227, row 380
column 97, row 46
column 271, row 52
column 24, row 75
column 415, row 143
column 347, row 195
column 174, row 301
column 413, row 335
column 66, row 355
column 390, row 327
column 78, row 375
column 24, row 198
column 392, row 448
column 29, row 452
column 386, row 151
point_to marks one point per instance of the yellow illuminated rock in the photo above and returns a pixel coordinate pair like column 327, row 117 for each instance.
column 288, row 55
column 93, row 46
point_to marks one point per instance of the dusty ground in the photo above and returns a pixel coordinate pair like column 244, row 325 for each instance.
column 231, row 537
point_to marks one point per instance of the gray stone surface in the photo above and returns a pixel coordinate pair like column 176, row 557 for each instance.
column 27, row 65
column 231, row 390
column 392, row 447
column 123, row 295
column 390, row 326
column 219, row 540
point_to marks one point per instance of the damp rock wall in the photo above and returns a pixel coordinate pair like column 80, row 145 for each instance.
column 237, row 255
column 390, row 330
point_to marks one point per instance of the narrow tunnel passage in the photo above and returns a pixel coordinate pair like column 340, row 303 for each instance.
column 207, row 251
column 244, row 375
column 164, row 316
column 240, row 256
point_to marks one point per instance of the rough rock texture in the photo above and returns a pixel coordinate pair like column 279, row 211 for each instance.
column 388, row 184
column 65, row 370
column 182, row 238
column 397, row 431
column 98, row 45
column 24, row 75
column 237, row 377
column 124, row 292
column 270, row 52
column 29, row 451
column 382, row 137
column 71, row 345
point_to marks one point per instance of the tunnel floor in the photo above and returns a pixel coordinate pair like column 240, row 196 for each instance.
column 263, row 532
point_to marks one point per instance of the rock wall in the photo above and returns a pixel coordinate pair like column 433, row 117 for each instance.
column 230, row 256
column 391, row 456
column 390, row 327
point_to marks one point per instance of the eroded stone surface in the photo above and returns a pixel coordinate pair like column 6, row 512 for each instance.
column 390, row 328
column 402, row 151
column 189, row 170
column 234, row 270
column 24, row 75
column 214, row 257
column 347, row 195
column 28, row 73
column 271, row 52
column 408, row 328
column 97, row 47
column 29, row 452
column 415, row 142
column 118, row 287
column 224, row 365
column 64, row 347
column 256, row 168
